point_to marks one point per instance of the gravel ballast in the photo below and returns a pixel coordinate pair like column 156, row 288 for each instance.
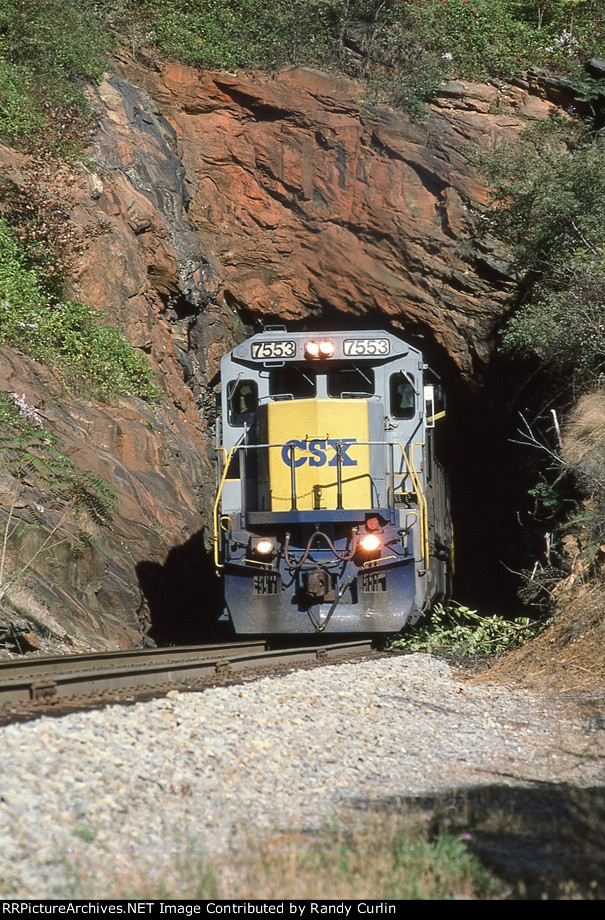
column 116, row 794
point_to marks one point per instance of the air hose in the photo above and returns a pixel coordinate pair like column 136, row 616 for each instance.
column 344, row 557
column 319, row 627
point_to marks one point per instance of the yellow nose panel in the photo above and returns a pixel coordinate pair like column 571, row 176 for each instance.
column 312, row 433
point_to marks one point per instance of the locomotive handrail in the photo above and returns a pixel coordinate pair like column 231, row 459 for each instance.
column 215, row 511
column 217, row 502
column 423, row 504
column 422, row 501
column 410, row 470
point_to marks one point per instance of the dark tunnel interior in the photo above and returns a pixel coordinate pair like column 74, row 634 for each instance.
column 490, row 475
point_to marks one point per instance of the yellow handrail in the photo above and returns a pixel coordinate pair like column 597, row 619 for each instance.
column 411, row 470
column 422, row 502
column 215, row 512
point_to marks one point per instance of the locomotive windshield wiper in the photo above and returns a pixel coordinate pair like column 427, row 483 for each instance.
column 232, row 385
column 304, row 376
column 410, row 380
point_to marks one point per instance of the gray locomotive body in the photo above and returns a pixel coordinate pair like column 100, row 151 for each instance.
column 332, row 511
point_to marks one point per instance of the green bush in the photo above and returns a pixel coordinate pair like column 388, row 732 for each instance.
column 18, row 119
column 46, row 50
column 563, row 324
column 549, row 192
column 457, row 631
column 549, row 204
column 404, row 49
column 90, row 356
column 242, row 33
column 477, row 38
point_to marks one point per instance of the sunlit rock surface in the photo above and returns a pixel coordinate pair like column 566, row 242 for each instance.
column 208, row 201
column 316, row 205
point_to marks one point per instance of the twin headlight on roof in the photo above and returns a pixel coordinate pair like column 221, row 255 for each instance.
column 316, row 350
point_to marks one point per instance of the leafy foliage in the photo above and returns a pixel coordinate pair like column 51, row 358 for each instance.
column 475, row 39
column 404, row 48
column 549, row 203
column 46, row 49
column 460, row 632
column 90, row 356
column 549, row 191
column 243, row 33
column 563, row 324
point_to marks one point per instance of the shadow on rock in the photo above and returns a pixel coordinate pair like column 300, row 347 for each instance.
column 184, row 595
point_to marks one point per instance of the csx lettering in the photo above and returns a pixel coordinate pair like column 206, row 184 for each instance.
column 316, row 452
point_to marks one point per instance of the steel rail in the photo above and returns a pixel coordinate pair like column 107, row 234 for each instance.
column 147, row 677
column 141, row 657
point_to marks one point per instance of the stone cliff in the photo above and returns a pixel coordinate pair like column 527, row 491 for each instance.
column 317, row 207
column 208, row 203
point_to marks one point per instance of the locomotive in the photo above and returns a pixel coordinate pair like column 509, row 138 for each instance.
column 332, row 509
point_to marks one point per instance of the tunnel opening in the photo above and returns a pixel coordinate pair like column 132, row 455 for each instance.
column 496, row 539
column 500, row 534
column 183, row 595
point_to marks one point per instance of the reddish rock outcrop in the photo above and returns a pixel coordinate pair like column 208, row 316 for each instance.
column 158, row 467
column 317, row 206
column 211, row 200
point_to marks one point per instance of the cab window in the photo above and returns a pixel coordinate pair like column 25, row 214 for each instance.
column 402, row 396
column 243, row 402
column 350, row 381
column 292, row 382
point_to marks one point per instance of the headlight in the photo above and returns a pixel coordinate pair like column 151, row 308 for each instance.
column 370, row 543
column 312, row 350
column 326, row 349
column 263, row 546
column 322, row 349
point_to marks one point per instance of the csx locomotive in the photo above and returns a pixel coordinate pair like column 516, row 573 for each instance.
column 332, row 510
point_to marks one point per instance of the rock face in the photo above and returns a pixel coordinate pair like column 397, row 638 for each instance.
column 210, row 201
column 118, row 586
column 317, row 207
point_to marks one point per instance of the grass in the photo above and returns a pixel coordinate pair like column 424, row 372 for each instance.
column 489, row 843
column 91, row 356
column 397, row 859
column 389, row 859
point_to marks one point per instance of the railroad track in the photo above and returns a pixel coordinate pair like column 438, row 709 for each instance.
column 44, row 682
